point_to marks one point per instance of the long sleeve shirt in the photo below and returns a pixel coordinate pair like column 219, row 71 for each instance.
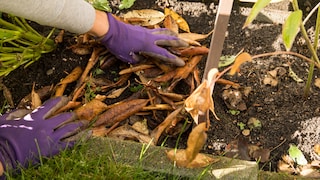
column 75, row 16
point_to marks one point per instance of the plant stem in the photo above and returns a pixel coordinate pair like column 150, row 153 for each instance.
column 20, row 44
column 305, row 35
column 315, row 45
column 311, row 48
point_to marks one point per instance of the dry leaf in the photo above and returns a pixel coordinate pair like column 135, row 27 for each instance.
column 116, row 93
column 59, row 37
column 120, row 112
column 316, row 149
column 136, row 68
column 201, row 100
column 141, row 127
column 284, row 167
column 317, row 82
column 192, row 51
column 166, row 77
column 158, row 107
column 60, row 89
column 72, row 77
column 69, row 106
column 92, row 61
column 197, row 138
column 190, row 42
column 122, row 79
column 156, row 133
column 99, row 131
column 7, row 94
column 171, row 24
column 44, row 93
column 179, row 157
column 90, row 110
column 35, row 99
column 234, row 99
column 183, row 72
column 201, row 160
column 315, row 163
column 228, row 82
column 173, row 96
column 182, row 23
column 127, row 132
column 269, row 80
column 308, row 171
column 240, row 59
column 144, row 17
column 261, row 155
column 194, row 36
column 81, row 49
column 180, row 72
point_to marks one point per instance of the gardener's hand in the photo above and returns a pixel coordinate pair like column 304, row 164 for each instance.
column 129, row 42
column 23, row 140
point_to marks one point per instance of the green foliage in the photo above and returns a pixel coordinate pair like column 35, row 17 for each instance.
column 291, row 28
column 296, row 154
column 83, row 163
column 136, row 88
column 125, row 4
column 257, row 7
column 89, row 94
column 102, row 5
column 20, row 44
column 241, row 125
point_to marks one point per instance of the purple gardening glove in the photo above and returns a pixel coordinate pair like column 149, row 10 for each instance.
column 23, row 139
column 128, row 42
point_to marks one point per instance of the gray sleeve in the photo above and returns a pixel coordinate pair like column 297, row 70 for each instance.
column 76, row 16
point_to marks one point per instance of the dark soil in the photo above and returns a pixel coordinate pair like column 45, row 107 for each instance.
column 280, row 109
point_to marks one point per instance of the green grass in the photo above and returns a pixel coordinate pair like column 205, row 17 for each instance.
column 81, row 163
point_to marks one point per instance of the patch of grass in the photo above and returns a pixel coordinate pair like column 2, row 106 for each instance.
column 81, row 163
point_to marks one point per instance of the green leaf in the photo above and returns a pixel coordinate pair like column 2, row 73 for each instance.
column 241, row 125
column 136, row 88
column 296, row 154
column 226, row 60
column 234, row 112
column 260, row 4
column 291, row 28
column 125, row 4
column 102, row 5
column 294, row 76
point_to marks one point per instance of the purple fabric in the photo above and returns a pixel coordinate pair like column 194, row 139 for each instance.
column 128, row 42
column 22, row 140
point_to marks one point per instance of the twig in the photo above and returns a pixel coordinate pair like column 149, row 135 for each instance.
column 311, row 13
column 278, row 145
column 288, row 53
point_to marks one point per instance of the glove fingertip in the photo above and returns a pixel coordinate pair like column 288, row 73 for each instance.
column 54, row 104
column 166, row 57
column 179, row 62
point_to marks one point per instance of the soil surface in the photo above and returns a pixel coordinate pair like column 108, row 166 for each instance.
column 282, row 109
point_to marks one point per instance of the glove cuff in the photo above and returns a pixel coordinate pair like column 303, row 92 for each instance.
column 113, row 26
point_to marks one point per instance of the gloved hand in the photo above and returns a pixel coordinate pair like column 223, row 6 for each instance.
column 128, row 42
column 22, row 140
